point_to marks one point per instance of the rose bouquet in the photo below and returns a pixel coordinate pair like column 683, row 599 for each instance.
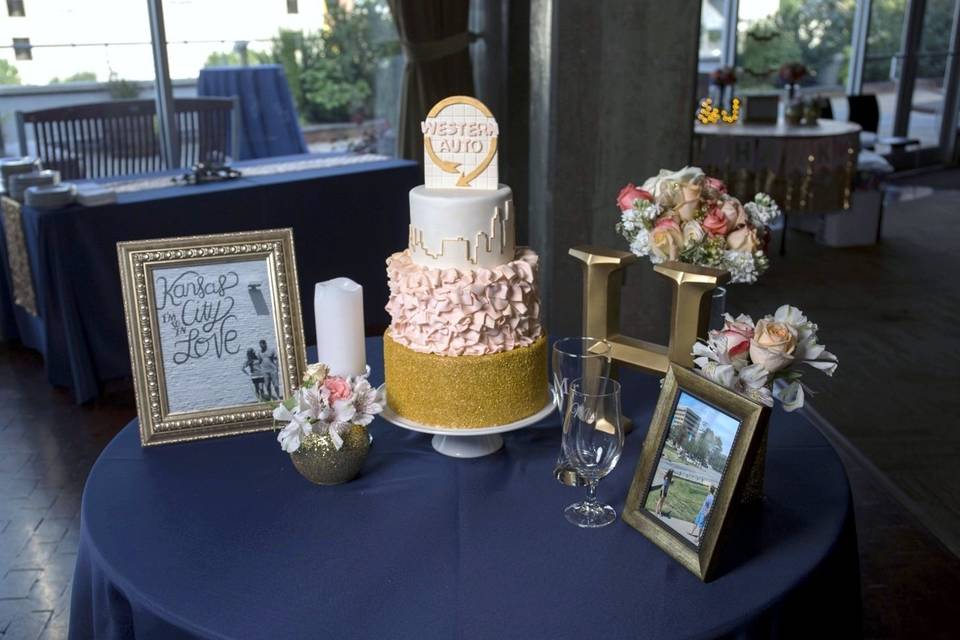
column 326, row 404
column 793, row 72
column 688, row 216
column 750, row 357
column 723, row 76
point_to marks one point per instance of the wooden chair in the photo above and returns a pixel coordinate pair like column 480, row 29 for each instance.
column 121, row 137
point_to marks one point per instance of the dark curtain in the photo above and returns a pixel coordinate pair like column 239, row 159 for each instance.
column 436, row 43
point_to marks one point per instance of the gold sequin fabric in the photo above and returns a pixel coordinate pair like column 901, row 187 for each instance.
column 462, row 392
column 320, row 462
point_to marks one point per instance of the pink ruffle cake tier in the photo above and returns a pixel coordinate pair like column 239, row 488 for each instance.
column 458, row 312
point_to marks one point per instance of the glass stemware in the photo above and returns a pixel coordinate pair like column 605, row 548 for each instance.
column 592, row 442
column 576, row 358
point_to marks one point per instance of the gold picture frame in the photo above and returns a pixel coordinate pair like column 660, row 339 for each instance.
column 674, row 535
column 188, row 318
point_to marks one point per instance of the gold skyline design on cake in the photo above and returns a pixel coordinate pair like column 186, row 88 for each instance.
column 497, row 221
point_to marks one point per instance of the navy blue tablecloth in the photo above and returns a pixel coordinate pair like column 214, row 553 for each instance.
column 267, row 116
column 341, row 216
column 223, row 539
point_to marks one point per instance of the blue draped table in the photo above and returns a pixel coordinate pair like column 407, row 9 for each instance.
column 267, row 117
column 341, row 216
column 223, row 539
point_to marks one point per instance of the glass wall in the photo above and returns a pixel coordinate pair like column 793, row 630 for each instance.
column 814, row 33
column 926, row 106
column 819, row 35
column 64, row 53
column 342, row 61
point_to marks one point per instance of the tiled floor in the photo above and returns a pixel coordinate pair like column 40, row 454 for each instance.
column 47, row 446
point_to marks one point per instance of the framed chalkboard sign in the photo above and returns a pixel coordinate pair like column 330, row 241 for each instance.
column 215, row 332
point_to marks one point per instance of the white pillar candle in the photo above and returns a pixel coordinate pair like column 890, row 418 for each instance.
column 338, row 308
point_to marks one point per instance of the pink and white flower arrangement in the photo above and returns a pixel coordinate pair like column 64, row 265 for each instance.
column 326, row 404
column 749, row 357
column 688, row 216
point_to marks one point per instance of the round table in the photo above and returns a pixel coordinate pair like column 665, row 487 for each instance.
column 806, row 168
column 223, row 539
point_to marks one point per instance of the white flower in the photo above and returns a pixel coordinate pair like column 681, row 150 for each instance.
column 663, row 180
column 754, row 377
column 722, row 374
column 693, row 234
column 367, row 402
column 316, row 372
column 298, row 423
column 742, row 266
column 807, row 350
column 630, row 220
column 292, row 435
column 646, row 211
column 762, row 211
column 640, row 245
column 791, row 395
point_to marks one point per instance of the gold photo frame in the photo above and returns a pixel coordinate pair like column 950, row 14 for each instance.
column 215, row 332
column 668, row 513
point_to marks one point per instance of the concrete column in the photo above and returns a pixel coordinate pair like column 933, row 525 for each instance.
column 612, row 100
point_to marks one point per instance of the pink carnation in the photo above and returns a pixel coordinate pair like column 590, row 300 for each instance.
column 336, row 388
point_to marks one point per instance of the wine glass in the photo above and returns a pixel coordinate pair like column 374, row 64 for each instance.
column 592, row 442
column 575, row 358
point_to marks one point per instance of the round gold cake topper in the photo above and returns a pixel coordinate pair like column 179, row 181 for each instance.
column 460, row 145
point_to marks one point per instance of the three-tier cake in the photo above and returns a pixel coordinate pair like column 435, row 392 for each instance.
column 465, row 348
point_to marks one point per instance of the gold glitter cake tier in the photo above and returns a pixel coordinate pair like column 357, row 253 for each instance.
column 466, row 391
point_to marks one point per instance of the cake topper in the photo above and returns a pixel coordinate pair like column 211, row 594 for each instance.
column 460, row 145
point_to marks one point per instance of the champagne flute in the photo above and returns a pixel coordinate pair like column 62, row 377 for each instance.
column 592, row 442
column 576, row 358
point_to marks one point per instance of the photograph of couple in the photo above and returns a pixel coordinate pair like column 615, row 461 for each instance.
column 260, row 363
column 691, row 466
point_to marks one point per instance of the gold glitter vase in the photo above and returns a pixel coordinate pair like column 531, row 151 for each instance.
column 320, row 462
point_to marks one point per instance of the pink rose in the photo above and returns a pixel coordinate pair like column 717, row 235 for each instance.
column 630, row 194
column 715, row 184
column 733, row 211
column 745, row 329
column 336, row 388
column 715, row 223
column 737, row 343
column 666, row 239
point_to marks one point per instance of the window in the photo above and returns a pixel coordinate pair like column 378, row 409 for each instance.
column 711, row 31
column 292, row 6
column 341, row 60
column 22, row 49
column 15, row 8
column 814, row 33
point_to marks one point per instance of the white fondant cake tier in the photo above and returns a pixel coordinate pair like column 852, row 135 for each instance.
column 462, row 228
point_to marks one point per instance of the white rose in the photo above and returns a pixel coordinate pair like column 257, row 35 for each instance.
column 693, row 234
column 670, row 180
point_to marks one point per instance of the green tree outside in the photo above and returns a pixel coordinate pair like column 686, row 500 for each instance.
column 817, row 33
column 8, row 73
column 80, row 76
column 332, row 72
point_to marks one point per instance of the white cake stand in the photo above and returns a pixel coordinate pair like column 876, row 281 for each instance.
column 466, row 442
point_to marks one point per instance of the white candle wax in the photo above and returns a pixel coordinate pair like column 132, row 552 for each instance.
column 338, row 308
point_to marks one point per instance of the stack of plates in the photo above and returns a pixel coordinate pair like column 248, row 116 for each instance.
column 20, row 181
column 52, row 196
column 13, row 166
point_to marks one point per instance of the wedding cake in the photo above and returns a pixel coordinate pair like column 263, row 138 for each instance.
column 465, row 348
